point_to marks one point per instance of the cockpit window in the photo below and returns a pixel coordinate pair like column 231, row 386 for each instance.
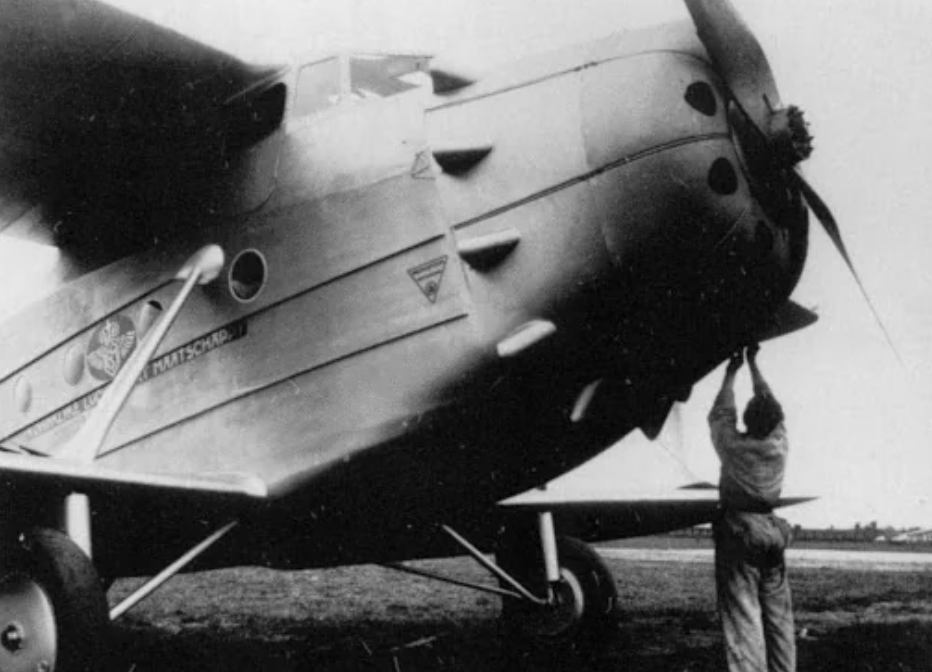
column 383, row 75
column 319, row 86
column 326, row 83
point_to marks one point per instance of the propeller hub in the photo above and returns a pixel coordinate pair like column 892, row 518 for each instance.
column 790, row 139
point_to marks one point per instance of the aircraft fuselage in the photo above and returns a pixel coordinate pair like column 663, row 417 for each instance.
column 419, row 289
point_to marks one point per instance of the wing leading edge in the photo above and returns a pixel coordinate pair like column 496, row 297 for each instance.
column 628, row 514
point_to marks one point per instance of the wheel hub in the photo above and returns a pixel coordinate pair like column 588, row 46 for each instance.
column 12, row 638
column 28, row 636
column 563, row 612
column 790, row 139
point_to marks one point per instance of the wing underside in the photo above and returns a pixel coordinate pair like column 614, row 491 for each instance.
column 273, row 478
column 638, row 487
column 54, row 474
column 616, row 517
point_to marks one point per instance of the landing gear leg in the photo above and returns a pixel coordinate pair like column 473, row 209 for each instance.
column 53, row 611
column 548, row 543
column 77, row 520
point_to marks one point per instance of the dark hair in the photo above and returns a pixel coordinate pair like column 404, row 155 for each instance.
column 762, row 415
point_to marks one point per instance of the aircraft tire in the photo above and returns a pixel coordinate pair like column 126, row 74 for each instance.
column 53, row 611
column 584, row 617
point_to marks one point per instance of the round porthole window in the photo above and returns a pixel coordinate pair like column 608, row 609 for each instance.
column 248, row 274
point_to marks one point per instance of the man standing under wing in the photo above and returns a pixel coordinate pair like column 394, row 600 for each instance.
column 753, row 591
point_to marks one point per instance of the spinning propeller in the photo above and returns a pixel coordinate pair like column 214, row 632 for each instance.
column 779, row 136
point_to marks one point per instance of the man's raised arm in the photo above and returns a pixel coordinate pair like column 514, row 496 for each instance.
column 761, row 387
column 724, row 406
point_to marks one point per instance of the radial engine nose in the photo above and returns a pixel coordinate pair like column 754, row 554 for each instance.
column 774, row 136
column 677, row 192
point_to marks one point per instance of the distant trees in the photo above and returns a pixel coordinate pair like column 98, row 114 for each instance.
column 859, row 533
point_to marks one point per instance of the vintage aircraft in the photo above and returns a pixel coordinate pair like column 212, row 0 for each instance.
column 407, row 293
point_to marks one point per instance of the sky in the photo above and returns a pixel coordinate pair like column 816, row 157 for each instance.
column 859, row 417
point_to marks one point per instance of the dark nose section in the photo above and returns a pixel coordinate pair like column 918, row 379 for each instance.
column 704, row 252
column 690, row 236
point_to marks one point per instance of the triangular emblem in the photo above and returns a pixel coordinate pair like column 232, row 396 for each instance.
column 423, row 165
column 429, row 276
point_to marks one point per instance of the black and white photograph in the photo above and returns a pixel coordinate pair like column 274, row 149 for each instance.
column 439, row 335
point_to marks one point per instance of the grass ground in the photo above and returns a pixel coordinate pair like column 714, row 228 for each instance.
column 369, row 618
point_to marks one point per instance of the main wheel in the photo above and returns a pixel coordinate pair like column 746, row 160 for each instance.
column 582, row 611
column 53, row 611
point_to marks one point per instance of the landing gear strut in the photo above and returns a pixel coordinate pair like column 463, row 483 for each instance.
column 53, row 611
column 581, row 608
column 557, row 594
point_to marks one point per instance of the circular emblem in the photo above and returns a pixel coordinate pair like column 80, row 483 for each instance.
column 110, row 346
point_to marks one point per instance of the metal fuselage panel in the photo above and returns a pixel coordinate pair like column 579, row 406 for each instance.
column 363, row 381
column 338, row 286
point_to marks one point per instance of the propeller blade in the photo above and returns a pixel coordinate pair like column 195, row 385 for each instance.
column 738, row 56
column 741, row 62
column 824, row 215
column 827, row 219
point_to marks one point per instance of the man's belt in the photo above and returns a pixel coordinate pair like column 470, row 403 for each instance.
column 750, row 507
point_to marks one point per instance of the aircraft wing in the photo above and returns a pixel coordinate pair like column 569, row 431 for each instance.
column 273, row 478
column 99, row 109
column 627, row 514
column 604, row 516
column 28, row 470
column 637, row 488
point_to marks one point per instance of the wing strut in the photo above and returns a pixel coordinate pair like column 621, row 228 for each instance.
column 156, row 581
column 203, row 267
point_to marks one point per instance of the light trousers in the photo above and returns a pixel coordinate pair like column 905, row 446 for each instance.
column 756, row 610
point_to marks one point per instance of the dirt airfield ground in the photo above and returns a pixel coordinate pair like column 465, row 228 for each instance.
column 369, row 618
